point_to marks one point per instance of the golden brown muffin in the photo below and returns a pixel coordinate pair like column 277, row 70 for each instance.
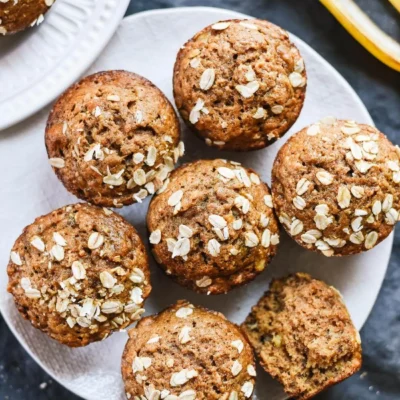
column 336, row 187
column 303, row 335
column 188, row 353
column 17, row 15
column 79, row 273
column 113, row 138
column 240, row 84
column 213, row 228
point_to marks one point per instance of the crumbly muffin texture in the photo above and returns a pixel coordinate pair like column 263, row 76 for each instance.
column 240, row 84
column 303, row 335
column 213, row 228
column 17, row 15
column 79, row 273
column 113, row 138
column 336, row 187
column 188, row 352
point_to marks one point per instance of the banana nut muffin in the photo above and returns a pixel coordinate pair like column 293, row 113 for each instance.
column 240, row 84
column 113, row 138
column 213, row 228
column 17, row 15
column 79, row 273
column 188, row 353
column 303, row 335
column 336, row 187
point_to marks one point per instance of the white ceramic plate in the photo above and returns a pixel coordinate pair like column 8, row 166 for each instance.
column 147, row 44
column 39, row 64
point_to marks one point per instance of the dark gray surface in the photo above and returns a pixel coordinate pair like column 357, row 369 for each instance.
column 379, row 88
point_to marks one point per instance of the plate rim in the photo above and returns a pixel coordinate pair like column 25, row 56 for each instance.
column 357, row 99
column 69, row 77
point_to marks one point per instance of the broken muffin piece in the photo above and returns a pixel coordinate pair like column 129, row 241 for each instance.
column 302, row 332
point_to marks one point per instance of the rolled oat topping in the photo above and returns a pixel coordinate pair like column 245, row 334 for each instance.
column 240, row 84
column 335, row 187
column 18, row 15
column 86, row 276
column 202, row 357
column 213, row 228
column 113, row 138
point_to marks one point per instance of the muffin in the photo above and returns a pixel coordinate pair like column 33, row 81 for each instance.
column 18, row 15
column 336, row 187
column 79, row 274
column 240, row 84
column 113, row 138
column 303, row 335
column 213, row 228
column 188, row 352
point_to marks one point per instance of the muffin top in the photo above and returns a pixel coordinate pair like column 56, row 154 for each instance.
column 213, row 228
column 336, row 187
column 18, row 15
column 113, row 138
column 303, row 334
column 240, row 84
column 79, row 273
column 188, row 352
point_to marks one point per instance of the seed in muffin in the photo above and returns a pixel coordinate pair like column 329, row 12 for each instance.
column 343, row 197
column 155, row 237
column 313, row 130
column 95, row 240
column 207, row 79
column 78, row 270
column 248, row 90
column 247, row 389
column 296, row 227
column 324, row 177
column 260, row 113
column 15, row 258
column 204, row 282
column 175, row 198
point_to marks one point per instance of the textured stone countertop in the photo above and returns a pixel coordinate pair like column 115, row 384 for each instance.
column 379, row 88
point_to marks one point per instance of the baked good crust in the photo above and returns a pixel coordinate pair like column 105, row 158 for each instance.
column 216, row 356
column 214, row 66
column 209, row 208
column 330, row 193
column 79, row 273
column 113, row 138
column 20, row 15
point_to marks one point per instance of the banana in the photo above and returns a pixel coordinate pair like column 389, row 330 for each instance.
column 396, row 4
column 369, row 35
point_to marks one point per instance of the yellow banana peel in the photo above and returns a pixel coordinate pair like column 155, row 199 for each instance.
column 365, row 31
column 396, row 4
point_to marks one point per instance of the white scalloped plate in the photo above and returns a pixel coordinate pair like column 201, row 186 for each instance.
column 37, row 65
column 147, row 44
